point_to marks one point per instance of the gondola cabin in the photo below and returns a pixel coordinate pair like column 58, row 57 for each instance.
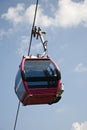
column 38, row 81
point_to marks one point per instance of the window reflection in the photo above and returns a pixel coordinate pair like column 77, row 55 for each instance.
column 40, row 73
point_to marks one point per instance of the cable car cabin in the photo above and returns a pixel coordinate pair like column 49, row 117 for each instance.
column 38, row 81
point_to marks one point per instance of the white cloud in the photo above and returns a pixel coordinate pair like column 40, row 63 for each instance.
column 71, row 13
column 4, row 33
column 68, row 14
column 80, row 68
column 23, row 49
column 41, row 18
column 19, row 14
column 14, row 14
column 79, row 126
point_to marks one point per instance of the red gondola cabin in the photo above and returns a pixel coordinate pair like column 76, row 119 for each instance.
column 38, row 81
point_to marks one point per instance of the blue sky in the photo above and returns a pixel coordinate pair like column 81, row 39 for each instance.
column 65, row 22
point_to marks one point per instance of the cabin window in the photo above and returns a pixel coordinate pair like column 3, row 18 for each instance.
column 40, row 74
column 19, row 87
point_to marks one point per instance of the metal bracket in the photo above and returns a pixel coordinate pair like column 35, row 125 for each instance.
column 36, row 32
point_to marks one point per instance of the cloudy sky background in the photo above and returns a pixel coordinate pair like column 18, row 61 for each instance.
column 65, row 22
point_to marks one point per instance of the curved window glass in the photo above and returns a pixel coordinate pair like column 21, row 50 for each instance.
column 19, row 87
column 41, row 73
